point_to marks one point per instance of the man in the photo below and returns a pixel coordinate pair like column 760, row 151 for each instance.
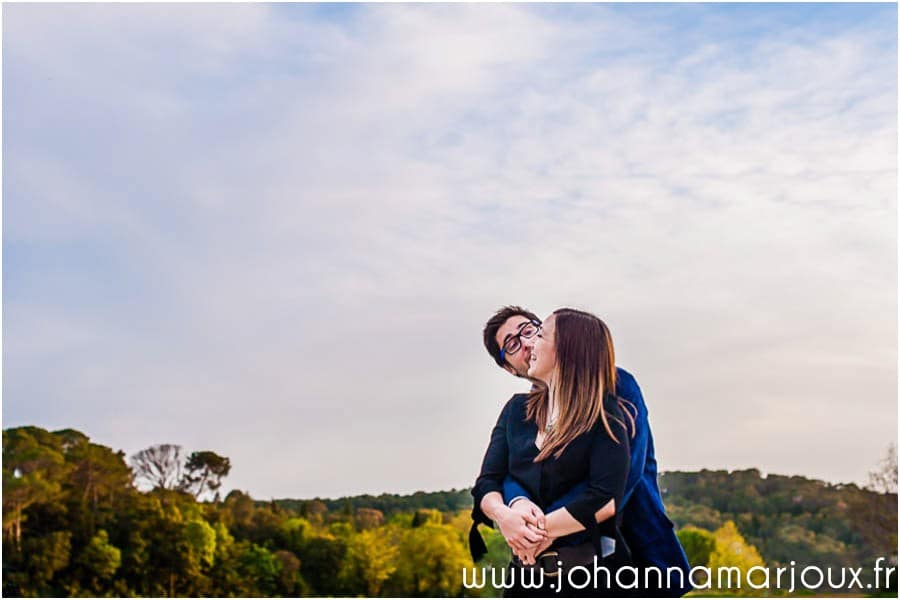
column 650, row 535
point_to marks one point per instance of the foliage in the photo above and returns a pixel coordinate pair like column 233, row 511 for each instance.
column 732, row 552
column 788, row 518
column 370, row 560
column 100, row 561
column 698, row 544
column 432, row 557
column 204, row 472
column 75, row 524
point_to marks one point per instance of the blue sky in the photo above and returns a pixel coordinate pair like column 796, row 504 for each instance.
column 275, row 231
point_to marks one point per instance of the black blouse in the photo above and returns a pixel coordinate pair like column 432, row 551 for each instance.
column 593, row 457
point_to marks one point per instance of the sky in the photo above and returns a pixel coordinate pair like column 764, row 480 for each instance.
column 276, row 231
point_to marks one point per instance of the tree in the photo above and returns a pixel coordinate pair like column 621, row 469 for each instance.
column 370, row 561
column 430, row 562
column 98, row 475
column 240, row 507
column 290, row 582
column 159, row 466
column 425, row 516
column 33, row 467
column 259, row 568
column 323, row 556
column 41, row 558
column 368, row 518
column 883, row 479
column 100, row 561
column 204, row 472
column 201, row 539
column 732, row 551
column 229, row 582
column 698, row 544
column 292, row 533
column 314, row 510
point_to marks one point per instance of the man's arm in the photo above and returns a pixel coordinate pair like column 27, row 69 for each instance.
column 494, row 467
column 627, row 388
column 519, row 530
column 513, row 490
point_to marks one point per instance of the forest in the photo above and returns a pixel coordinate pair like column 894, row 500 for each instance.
column 80, row 519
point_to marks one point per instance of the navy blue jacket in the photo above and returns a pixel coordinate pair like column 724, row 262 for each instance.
column 647, row 530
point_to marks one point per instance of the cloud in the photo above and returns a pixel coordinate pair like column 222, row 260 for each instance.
column 276, row 232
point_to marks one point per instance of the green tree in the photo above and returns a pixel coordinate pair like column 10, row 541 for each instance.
column 33, row 470
column 97, row 477
column 371, row 559
column 228, row 580
column 41, row 559
column 260, row 569
column 322, row 558
column 100, row 560
column 341, row 529
column 201, row 539
column 204, row 472
column 430, row 562
column 698, row 544
column 292, row 533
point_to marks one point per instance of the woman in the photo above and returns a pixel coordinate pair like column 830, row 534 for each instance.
column 569, row 430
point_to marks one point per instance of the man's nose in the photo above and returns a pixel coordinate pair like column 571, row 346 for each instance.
column 528, row 344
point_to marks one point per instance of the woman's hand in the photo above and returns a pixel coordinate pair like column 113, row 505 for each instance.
column 520, row 529
column 534, row 516
column 530, row 557
column 531, row 511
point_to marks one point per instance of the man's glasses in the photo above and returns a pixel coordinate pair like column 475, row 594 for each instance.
column 513, row 344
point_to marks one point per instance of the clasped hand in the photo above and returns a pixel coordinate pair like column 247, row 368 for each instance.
column 524, row 527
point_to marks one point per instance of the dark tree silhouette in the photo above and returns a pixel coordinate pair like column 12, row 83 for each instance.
column 204, row 472
column 160, row 466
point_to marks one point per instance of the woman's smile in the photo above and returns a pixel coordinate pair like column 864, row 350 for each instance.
column 542, row 359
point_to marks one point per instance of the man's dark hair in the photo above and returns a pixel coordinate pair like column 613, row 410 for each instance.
column 495, row 322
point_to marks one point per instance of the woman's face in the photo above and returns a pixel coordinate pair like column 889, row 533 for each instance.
column 543, row 352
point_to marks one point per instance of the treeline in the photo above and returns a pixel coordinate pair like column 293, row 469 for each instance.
column 789, row 518
column 785, row 518
column 389, row 504
column 75, row 523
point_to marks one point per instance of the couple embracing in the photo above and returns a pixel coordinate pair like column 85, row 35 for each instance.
column 569, row 475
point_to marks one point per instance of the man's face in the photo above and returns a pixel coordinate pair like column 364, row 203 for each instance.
column 516, row 361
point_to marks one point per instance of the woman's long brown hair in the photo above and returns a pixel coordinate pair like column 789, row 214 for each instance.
column 585, row 373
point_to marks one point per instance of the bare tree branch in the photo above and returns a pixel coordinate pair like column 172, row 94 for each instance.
column 159, row 466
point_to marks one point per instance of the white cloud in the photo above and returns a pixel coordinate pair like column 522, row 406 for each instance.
column 313, row 217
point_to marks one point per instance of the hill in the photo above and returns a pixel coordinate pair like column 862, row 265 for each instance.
column 786, row 517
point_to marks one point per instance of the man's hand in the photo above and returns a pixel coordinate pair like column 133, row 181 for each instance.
column 520, row 529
